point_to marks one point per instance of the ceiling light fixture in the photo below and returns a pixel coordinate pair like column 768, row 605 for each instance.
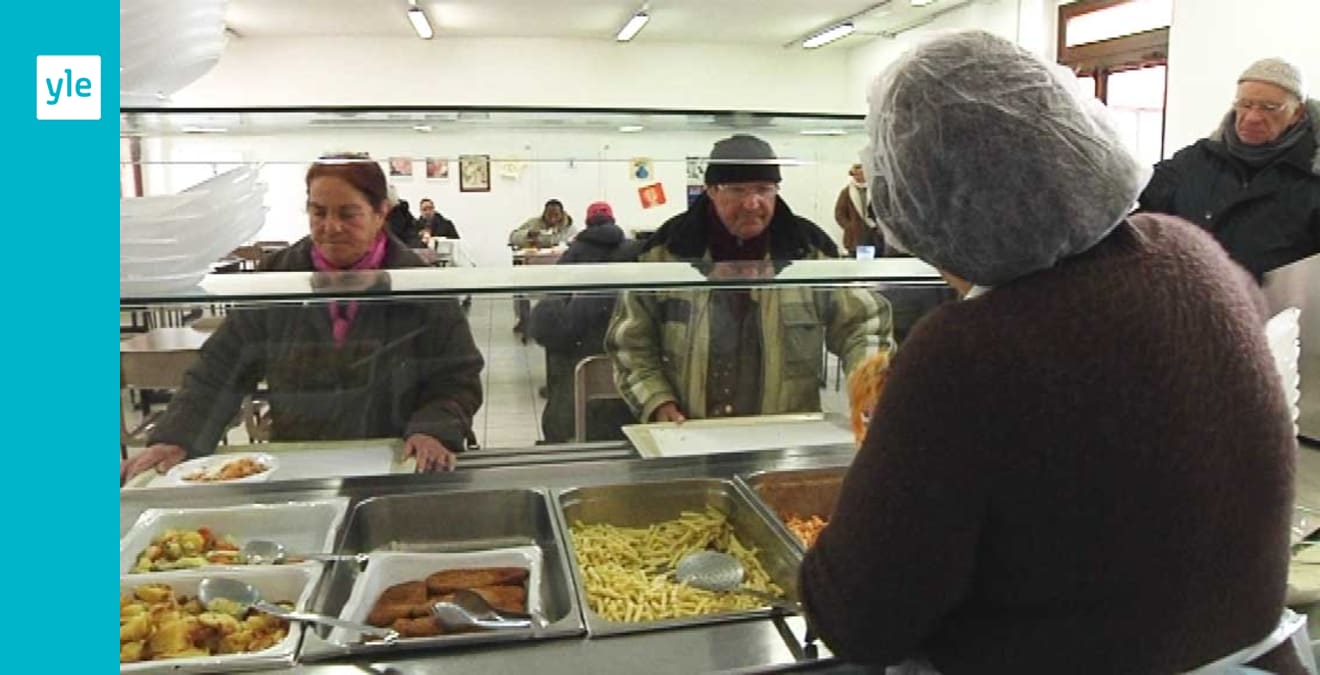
column 633, row 27
column 829, row 35
column 823, row 132
column 188, row 129
column 420, row 22
column 423, row 128
column 922, row 3
column 631, row 128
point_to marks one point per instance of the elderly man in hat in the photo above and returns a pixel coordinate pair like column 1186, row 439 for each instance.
column 718, row 353
column 1255, row 182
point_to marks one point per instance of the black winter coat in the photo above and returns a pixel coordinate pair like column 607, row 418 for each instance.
column 1265, row 220
column 400, row 223
column 406, row 367
column 572, row 327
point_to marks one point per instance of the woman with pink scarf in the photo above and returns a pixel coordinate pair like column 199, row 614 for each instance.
column 339, row 369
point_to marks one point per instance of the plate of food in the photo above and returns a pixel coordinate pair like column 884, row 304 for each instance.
column 246, row 467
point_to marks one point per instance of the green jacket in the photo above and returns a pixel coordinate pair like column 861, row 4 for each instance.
column 658, row 340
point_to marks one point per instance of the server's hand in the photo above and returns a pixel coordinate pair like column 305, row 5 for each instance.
column 668, row 412
column 431, row 454
column 160, row 456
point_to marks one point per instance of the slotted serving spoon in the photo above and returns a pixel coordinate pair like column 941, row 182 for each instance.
column 247, row 595
column 469, row 610
column 722, row 573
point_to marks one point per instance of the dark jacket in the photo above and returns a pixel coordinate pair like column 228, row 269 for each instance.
column 1265, row 220
column 572, row 327
column 407, row 367
column 439, row 226
column 400, row 223
column 1048, row 490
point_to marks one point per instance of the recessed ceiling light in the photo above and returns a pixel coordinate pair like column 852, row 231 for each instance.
column 828, row 35
column 631, row 128
column 420, row 23
column 422, row 127
column 922, row 3
column 823, row 132
column 204, row 130
column 633, row 27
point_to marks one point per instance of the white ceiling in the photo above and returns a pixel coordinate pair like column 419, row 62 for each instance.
column 740, row 22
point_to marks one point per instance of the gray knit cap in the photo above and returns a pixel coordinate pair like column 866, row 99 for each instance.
column 1277, row 72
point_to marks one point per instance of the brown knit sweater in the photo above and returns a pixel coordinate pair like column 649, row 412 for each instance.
column 1087, row 470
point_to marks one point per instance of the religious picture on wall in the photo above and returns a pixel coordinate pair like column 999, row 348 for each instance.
column 651, row 195
column 474, row 173
column 401, row 167
column 437, row 168
column 696, row 170
column 642, row 168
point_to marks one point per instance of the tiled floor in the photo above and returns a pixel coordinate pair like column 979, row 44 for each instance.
column 511, row 414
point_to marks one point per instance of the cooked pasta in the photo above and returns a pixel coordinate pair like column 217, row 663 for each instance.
column 628, row 571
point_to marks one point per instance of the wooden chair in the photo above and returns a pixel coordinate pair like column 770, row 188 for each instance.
column 593, row 379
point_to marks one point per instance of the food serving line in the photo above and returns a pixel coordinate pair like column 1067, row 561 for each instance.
column 510, row 503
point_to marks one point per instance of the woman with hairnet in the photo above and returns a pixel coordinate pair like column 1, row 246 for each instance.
column 1086, row 465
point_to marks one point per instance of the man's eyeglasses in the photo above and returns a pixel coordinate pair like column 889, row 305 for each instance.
column 740, row 192
column 1247, row 105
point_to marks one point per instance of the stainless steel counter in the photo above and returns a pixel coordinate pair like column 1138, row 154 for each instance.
column 754, row 645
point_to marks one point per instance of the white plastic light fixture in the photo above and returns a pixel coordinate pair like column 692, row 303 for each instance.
column 829, row 35
column 633, row 27
column 420, row 23
column 921, row 3
column 631, row 128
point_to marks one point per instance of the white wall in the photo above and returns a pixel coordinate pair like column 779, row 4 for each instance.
column 576, row 167
column 344, row 70
column 1208, row 50
column 1018, row 20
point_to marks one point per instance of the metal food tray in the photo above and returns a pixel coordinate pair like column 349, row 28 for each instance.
column 801, row 492
column 453, row 522
column 642, row 504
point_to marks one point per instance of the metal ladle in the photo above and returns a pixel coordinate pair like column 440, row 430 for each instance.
column 469, row 609
column 247, row 595
column 262, row 552
column 723, row 573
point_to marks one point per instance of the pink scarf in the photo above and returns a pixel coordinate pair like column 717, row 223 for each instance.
column 341, row 318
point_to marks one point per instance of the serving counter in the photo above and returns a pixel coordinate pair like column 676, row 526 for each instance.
column 762, row 643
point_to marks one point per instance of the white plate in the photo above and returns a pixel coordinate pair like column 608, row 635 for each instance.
column 213, row 463
column 387, row 568
column 303, row 527
column 293, row 583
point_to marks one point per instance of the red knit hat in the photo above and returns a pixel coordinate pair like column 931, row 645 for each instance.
column 599, row 211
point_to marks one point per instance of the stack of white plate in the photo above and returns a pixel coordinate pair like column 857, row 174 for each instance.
column 168, row 243
column 164, row 45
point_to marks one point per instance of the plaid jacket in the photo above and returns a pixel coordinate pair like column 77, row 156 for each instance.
column 659, row 340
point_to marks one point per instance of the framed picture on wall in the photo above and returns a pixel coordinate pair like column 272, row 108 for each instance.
column 437, row 168
column 474, row 173
column 401, row 167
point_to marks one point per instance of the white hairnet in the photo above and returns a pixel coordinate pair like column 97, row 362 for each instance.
column 986, row 162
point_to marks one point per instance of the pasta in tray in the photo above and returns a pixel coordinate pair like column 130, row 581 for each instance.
column 627, row 571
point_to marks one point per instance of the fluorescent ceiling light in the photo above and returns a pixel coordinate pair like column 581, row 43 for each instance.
column 922, row 3
column 203, row 130
column 631, row 128
column 828, row 35
column 823, row 132
column 424, row 128
column 633, row 27
column 420, row 24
